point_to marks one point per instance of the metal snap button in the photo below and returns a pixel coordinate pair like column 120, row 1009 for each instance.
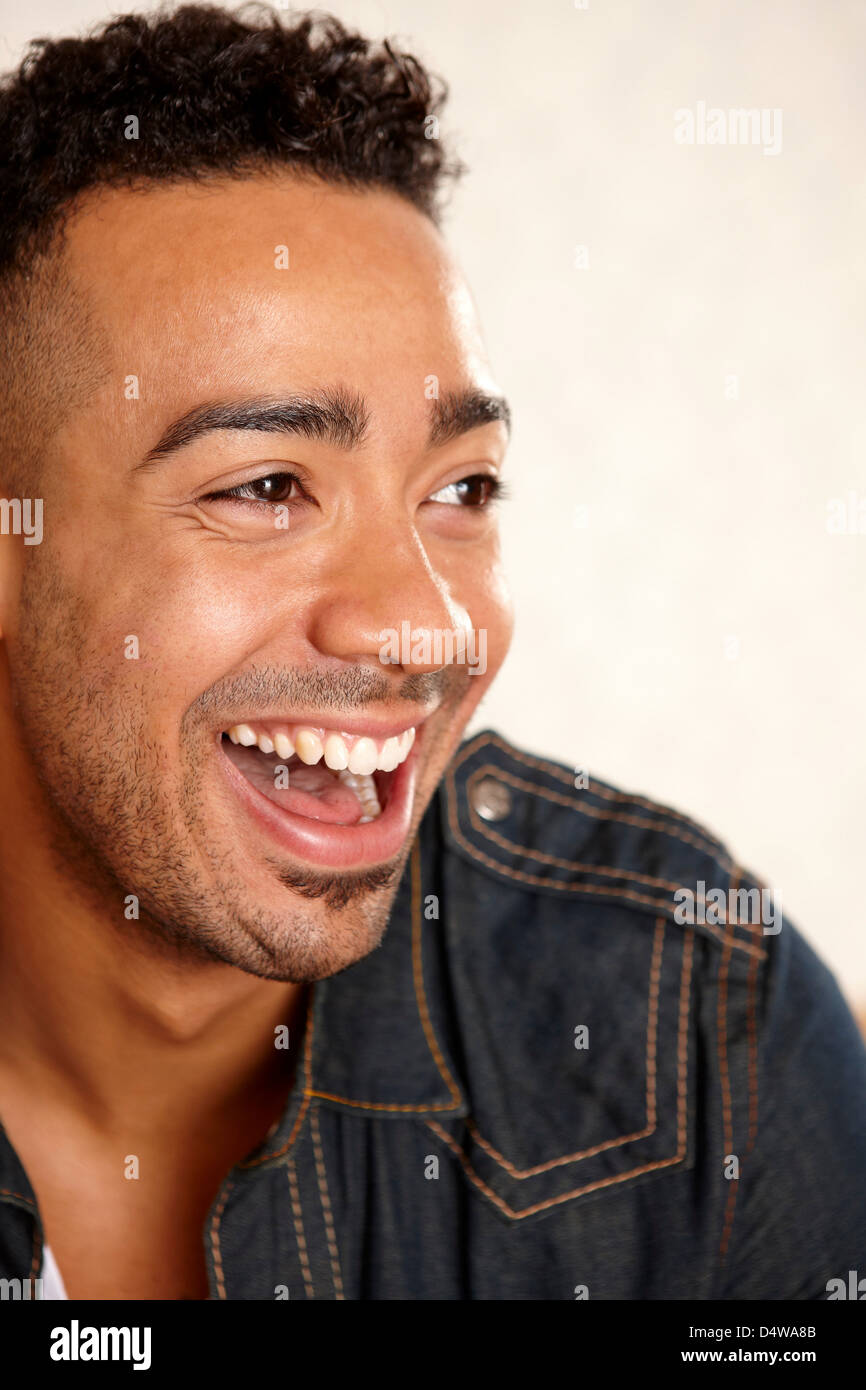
column 491, row 799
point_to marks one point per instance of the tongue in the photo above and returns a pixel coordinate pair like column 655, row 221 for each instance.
column 315, row 792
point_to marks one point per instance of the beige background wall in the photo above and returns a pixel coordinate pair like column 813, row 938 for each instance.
column 687, row 403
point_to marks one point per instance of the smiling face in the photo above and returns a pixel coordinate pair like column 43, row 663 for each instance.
column 252, row 636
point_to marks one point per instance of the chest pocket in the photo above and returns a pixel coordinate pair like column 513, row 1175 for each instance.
column 580, row 1000
column 576, row 1025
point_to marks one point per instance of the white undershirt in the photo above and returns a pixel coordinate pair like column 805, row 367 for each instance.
column 52, row 1280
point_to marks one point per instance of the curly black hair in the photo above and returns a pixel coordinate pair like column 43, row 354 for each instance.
column 212, row 94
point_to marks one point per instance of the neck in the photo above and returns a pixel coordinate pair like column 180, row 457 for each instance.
column 111, row 1020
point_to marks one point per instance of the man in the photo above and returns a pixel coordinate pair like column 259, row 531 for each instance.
column 300, row 997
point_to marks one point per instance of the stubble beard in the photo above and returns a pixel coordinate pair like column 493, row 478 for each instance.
column 113, row 820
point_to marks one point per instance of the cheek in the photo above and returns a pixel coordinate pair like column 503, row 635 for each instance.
column 194, row 638
column 159, row 602
column 174, row 634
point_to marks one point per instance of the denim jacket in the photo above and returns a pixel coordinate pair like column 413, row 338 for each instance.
column 545, row 1084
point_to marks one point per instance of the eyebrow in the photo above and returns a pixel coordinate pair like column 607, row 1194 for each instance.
column 332, row 416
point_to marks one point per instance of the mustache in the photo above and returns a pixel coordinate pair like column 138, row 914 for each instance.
column 266, row 687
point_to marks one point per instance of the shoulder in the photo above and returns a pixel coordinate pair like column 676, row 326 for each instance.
column 557, row 831
column 568, row 962
column 665, row 1037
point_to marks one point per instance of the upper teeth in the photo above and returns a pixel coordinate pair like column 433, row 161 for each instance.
column 358, row 754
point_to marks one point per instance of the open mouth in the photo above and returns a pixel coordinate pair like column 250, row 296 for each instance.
column 340, row 778
column 329, row 796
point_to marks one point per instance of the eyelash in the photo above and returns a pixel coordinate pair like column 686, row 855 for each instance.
column 497, row 491
column 237, row 494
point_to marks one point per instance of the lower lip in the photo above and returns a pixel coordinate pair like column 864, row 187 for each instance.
column 335, row 846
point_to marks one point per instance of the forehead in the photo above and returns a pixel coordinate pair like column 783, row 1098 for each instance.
column 272, row 281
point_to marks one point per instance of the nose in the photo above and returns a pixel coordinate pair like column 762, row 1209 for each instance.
column 383, row 602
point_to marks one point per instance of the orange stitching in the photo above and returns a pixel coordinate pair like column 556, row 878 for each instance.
column 722, row 1048
column 683, row 1041
column 653, row 1021
column 651, row 1118
column 378, row 1105
column 331, row 1234
column 421, row 1001
column 278, row 1153
column 489, row 769
column 299, row 1120
column 735, row 883
column 711, row 845
column 581, row 808
column 682, row 1071
column 543, row 765
column 297, row 1216
column 731, row 1201
column 551, row 1201
column 724, row 1073
column 7, row 1192
column 418, row 977
column 215, row 1241
column 540, row 855
column 592, row 889
column 751, row 1024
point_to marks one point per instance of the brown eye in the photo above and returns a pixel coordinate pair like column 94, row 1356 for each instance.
column 272, row 489
column 476, row 491
column 276, row 487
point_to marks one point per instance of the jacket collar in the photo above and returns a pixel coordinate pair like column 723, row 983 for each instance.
column 376, row 1034
column 14, row 1183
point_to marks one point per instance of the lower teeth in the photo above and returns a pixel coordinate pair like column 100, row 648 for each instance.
column 364, row 787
